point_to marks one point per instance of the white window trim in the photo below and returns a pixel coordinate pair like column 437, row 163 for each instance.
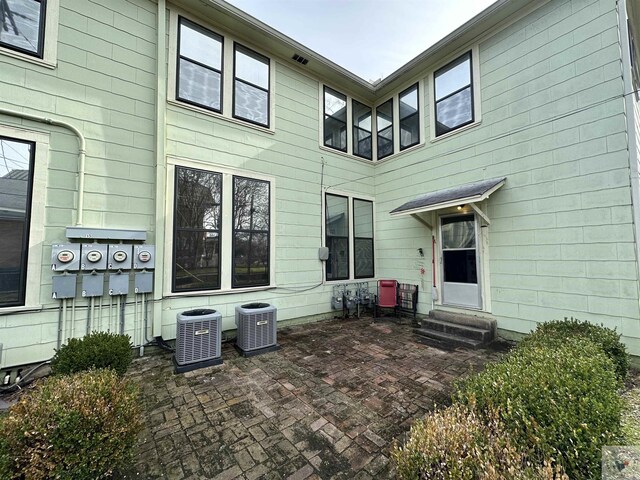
column 227, row 72
column 350, row 196
column 226, row 234
column 50, row 50
column 33, row 284
column 477, row 99
column 374, row 127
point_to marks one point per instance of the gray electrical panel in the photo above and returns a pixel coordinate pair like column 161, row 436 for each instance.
column 143, row 282
column 119, row 257
column 144, row 257
column 65, row 257
column 64, row 286
column 92, row 284
column 94, row 257
column 118, row 284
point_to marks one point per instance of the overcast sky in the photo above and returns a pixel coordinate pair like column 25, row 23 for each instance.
column 371, row 38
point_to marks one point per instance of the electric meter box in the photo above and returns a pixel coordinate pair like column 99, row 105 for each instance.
column 65, row 257
column 119, row 257
column 63, row 286
column 92, row 284
column 94, row 257
column 143, row 282
column 118, row 284
column 144, row 256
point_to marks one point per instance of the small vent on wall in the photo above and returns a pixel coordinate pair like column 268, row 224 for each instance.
column 300, row 59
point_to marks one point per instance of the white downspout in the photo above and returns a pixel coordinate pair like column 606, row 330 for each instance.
column 161, row 114
column 82, row 155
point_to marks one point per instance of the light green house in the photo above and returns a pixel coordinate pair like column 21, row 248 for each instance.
column 509, row 149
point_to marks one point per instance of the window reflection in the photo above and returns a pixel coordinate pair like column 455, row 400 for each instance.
column 453, row 95
column 251, row 86
column 22, row 25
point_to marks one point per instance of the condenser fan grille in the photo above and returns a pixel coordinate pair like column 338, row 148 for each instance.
column 256, row 326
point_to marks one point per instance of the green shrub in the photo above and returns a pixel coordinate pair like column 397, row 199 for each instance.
column 78, row 426
column 556, row 401
column 96, row 350
column 456, row 444
column 557, row 331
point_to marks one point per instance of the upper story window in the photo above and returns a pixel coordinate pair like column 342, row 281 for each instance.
column 454, row 95
column 23, row 26
column 251, row 86
column 199, row 66
column 409, row 117
column 335, row 120
column 16, row 183
column 362, row 139
column 384, row 124
column 216, row 75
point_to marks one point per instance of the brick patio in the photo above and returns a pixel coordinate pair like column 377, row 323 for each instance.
column 327, row 405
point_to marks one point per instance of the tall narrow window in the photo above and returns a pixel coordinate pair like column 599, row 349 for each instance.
column 361, row 130
column 384, row 124
column 363, row 238
column 409, row 118
column 199, row 79
column 251, row 86
column 251, row 206
column 453, row 95
column 16, row 181
column 337, row 233
column 197, row 225
column 335, row 120
column 22, row 26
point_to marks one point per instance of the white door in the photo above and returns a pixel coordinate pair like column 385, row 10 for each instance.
column 460, row 262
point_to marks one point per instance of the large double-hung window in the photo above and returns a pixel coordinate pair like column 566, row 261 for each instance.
column 204, row 66
column 349, row 237
column 221, row 231
column 335, row 120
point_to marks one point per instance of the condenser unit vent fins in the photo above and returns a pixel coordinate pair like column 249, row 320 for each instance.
column 257, row 327
column 198, row 336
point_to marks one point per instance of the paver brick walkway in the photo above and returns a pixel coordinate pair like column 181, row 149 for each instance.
column 327, row 405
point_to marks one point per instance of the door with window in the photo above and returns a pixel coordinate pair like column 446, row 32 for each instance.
column 460, row 261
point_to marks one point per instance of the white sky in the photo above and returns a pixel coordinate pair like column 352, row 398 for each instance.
column 371, row 38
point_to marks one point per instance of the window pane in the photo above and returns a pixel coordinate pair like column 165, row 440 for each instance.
column 384, row 115
column 361, row 116
column 204, row 48
column 337, row 216
column 453, row 77
column 199, row 85
column 364, row 258
column 409, row 131
column 251, row 103
column 251, row 68
column 458, row 232
column 454, row 111
column 20, row 27
column 196, row 260
column 460, row 266
column 197, row 221
column 363, row 218
column 335, row 133
column 16, row 169
column 362, row 143
column 338, row 262
column 251, row 205
column 409, row 102
column 335, row 104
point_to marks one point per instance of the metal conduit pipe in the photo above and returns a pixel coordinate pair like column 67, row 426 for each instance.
column 82, row 152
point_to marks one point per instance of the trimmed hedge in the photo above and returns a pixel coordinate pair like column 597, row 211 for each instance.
column 557, row 331
column 71, row 427
column 456, row 444
column 556, row 401
column 96, row 350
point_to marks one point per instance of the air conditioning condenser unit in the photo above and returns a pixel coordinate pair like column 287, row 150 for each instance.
column 257, row 329
column 198, row 340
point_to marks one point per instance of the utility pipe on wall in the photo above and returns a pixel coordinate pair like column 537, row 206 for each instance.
column 82, row 152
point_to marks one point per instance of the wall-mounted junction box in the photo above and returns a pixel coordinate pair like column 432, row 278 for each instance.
column 92, row 284
column 118, row 284
column 64, row 286
column 143, row 282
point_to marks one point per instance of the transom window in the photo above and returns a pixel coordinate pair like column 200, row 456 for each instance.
column 22, row 26
column 199, row 78
column 409, row 117
column 454, row 95
column 16, row 183
column 384, row 124
column 335, row 120
column 203, row 223
column 348, row 228
column 251, row 86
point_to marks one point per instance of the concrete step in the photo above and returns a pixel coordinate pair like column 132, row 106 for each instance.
column 484, row 335
column 470, row 320
column 448, row 338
